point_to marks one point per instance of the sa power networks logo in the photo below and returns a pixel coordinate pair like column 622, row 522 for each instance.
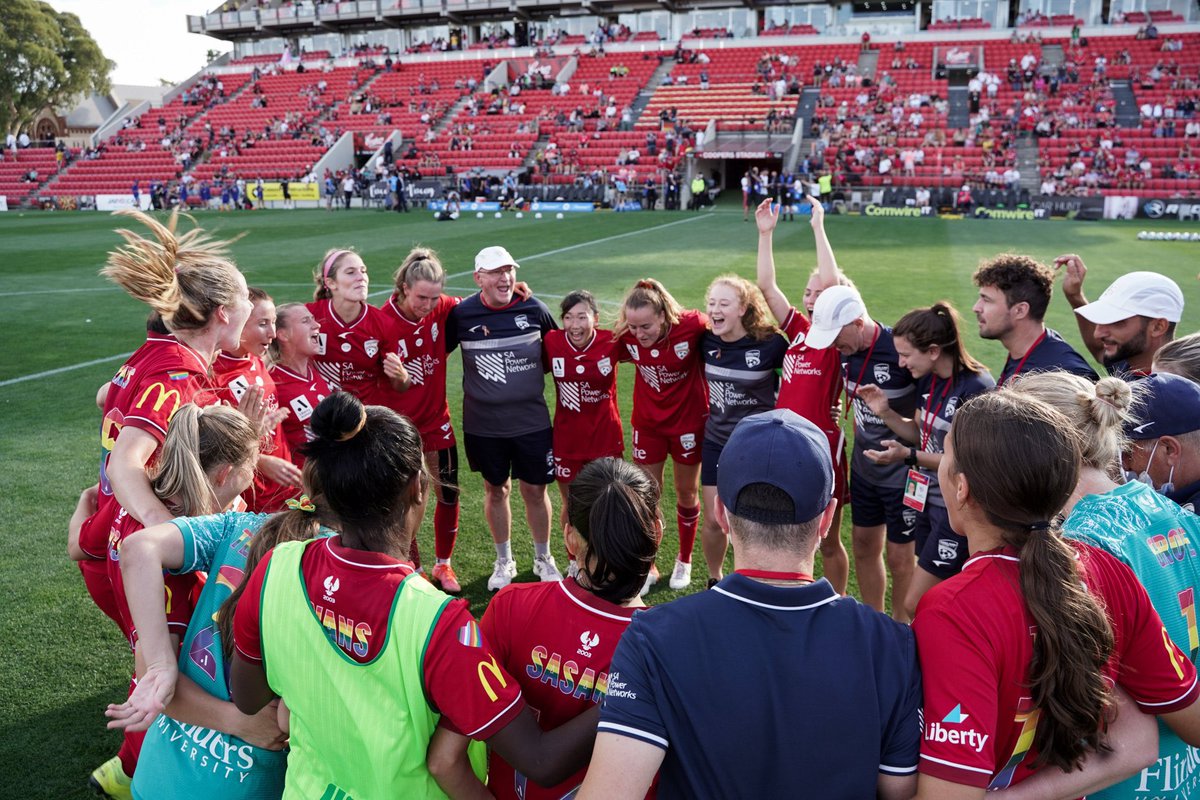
column 950, row 731
column 570, row 395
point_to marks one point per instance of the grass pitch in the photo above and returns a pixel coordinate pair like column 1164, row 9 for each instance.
column 64, row 331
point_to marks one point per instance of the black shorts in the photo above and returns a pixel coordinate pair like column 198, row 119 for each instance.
column 940, row 551
column 528, row 457
column 872, row 505
column 710, row 453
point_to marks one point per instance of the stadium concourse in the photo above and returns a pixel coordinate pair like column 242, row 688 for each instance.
column 959, row 116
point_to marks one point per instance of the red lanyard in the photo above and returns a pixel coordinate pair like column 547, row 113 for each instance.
column 1021, row 363
column 774, row 576
column 927, row 429
column 851, row 395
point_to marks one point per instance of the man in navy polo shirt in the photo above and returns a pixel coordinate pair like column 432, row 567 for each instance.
column 720, row 693
column 1166, row 438
column 1135, row 316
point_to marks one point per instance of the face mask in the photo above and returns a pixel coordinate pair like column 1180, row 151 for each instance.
column 1144, row 475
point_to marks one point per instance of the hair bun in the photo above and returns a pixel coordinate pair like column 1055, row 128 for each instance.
column 1110, row 401
column 338, row 417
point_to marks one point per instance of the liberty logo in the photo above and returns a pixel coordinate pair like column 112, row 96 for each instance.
column 331, row 584
column 939, row 732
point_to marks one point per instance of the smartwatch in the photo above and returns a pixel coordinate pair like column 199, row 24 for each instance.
column 912, row 457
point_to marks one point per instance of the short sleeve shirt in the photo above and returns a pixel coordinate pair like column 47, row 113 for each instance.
column 937, row 402
column 300, row 395
column 350, row 354
column 741, row 380
column 878, row 365
column 811, row 382
column 587, row 422
column 421, row 345
column 1049, row 353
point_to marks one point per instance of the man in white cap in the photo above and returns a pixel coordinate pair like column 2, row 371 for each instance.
column 506, row 425
column 1134, row 317
column 840, row 319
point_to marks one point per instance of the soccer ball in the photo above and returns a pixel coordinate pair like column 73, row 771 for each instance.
column 538, row 215
column 520, row 215
column 498, row 215
column 558, row 215
column 478, row 215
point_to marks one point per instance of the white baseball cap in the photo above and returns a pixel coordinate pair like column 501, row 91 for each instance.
column 1136, row 294
column 490, row 258
column 836, row 308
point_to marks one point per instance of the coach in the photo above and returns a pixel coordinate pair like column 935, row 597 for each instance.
column 506, row 425
column 719, row 691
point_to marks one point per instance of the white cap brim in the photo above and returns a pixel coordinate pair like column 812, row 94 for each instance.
column 820, row 338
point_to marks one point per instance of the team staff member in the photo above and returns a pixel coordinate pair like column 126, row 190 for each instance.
column 419, row 311
column 1014, row 293
column 1150, row 534
column 276, row 478
column 613, row 529
column 506, row 424
column 201, row 297
column 741, row 355
column 929, row 342
column 1134, row 317
column 298, row 384
column 685, row 694
column 355, row 353
column 583, row 362
column 1020, row 651
column 877, row 507
column 1165, row 449
column 349, row 611
column 811, row 379
column 670, row 401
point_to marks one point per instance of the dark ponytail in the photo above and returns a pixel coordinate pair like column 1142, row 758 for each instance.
column 613, row 505
column 938, row 325
column 1021, row 460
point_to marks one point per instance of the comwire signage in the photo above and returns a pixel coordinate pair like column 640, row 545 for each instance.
column 1014, row 213
column 873, row 210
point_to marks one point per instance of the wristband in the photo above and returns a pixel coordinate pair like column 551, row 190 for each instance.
column 912, row 457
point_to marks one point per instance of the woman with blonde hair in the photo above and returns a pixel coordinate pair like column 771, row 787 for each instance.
column 201, row 297
column 662, row 340
column 741, row 353
column 1146, row 531
column 1180, row 357
column 298, row 384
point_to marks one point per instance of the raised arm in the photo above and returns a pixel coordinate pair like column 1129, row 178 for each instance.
column 767, row 218
column 827, row 267
column 1074, row 271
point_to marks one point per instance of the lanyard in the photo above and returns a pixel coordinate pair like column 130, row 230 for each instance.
column 1021, row 363
column 775, row 576
column 927, row 429
column 851, row 395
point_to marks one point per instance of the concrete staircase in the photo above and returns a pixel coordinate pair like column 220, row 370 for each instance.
column 867, row 62
column 643, row 97
column 1126, row 112
column 960, row 107
column 1027, row 163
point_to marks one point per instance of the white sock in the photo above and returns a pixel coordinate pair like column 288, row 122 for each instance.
column 504, row 550
column 541, row 549
column 441, row 561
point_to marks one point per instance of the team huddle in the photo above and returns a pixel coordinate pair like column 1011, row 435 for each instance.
column 264, row 471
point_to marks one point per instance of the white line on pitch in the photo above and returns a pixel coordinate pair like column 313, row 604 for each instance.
column 58, row 370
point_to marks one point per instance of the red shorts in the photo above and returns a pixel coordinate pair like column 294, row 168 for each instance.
column 567, row 469
column 651, row 447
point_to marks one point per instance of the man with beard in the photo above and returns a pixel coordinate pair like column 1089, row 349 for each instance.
column 1134, row 317
column 1014, row 292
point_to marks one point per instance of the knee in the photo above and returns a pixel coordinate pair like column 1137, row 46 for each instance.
column 497, row 493
column 533, row 493
column 866, row 541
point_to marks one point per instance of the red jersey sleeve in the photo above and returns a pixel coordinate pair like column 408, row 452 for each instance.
column 465, row 680
column 795, row 323
column 246, row 633
column 960, row 710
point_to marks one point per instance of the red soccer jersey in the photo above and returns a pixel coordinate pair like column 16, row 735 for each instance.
column 812, row 379
column 162, row 375
column 421, row 346
column 670, row 395
column 179, row 589
column 558, row 640
column 233, row 376
column 351, row 353
column 299, row 394
column 587, row 424
column 975, row 637
column 462, row 679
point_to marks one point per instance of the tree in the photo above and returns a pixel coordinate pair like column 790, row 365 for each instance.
column 47, row 59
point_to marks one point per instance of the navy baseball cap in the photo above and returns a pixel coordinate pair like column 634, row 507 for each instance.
column 1168, row 405
column 782, row 449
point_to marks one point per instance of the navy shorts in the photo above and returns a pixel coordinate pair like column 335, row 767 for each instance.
column 940, row 551
column 872, row 505
column 710, row 453
column 528, row 457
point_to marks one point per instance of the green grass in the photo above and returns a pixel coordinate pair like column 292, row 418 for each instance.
column 64, row 661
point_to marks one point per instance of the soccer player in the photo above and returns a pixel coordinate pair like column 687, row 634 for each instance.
column 811, row 379
column 930, row 345
column 670, row 401
column 741, row 355
column 1134, row 317
column 688, row 701
column 1020, row 651
column 419, row 312
column 349, row 611
column 1180, row 357
column 583, row 362
column 276, row 478
column 298, row 384
column 613, row 529
column 877, row 507
column 1149, row 533
column 1014, row 292
column 506, row 424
